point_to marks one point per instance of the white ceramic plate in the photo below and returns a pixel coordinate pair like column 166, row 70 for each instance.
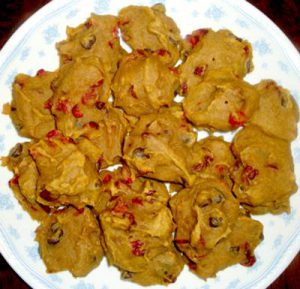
column 32, row 47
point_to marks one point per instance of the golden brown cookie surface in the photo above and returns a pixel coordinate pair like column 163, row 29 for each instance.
column 97, row 37
column 143, row 84
column 220, row 104
column 102, row 141
column 209, row 224
column 278, row 113
column 211, row 157
column 81, row 89
column 158, row 146
column 137, row 227
column 66, row 176
column 207, row 51
column 25, row 179
column 70, row 240
column 149, row 28
column 31, row 103
column 264, row 175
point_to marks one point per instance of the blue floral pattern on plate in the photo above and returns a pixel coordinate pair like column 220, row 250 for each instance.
column 13, row 232
column 33, row 252
column 101, row 6
column 72, row 14
column 25, row 53
column 214, row 12
column 262, row 47
column 51, row 33
column 6, row 202
column 83, row 285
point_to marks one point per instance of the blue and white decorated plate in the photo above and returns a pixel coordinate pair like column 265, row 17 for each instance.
column 32, row 48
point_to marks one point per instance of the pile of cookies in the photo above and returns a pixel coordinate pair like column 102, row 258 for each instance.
column 173, row 199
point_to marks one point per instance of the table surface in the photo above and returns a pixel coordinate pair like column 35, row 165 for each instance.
column 285, row 13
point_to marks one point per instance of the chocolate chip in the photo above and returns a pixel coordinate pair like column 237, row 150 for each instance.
column 247, row 213
column 88, row 41
column 173, row 41
column 205, row 203
column 187, row 139
column 283, row 100
column 261, row 237
column 54, row 84
column 16, row 151
column 238, row 38
column 234, row 249
column 215, row 222
column 249, row 65
column 126, row 275
column 56, row 233
column 140, row 153
column 218, row 199
column 97, row 184
column 18, row 126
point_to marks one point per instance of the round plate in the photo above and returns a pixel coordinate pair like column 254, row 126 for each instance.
column 33, row 47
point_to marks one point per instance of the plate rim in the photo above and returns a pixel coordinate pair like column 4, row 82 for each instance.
column 290, row 51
